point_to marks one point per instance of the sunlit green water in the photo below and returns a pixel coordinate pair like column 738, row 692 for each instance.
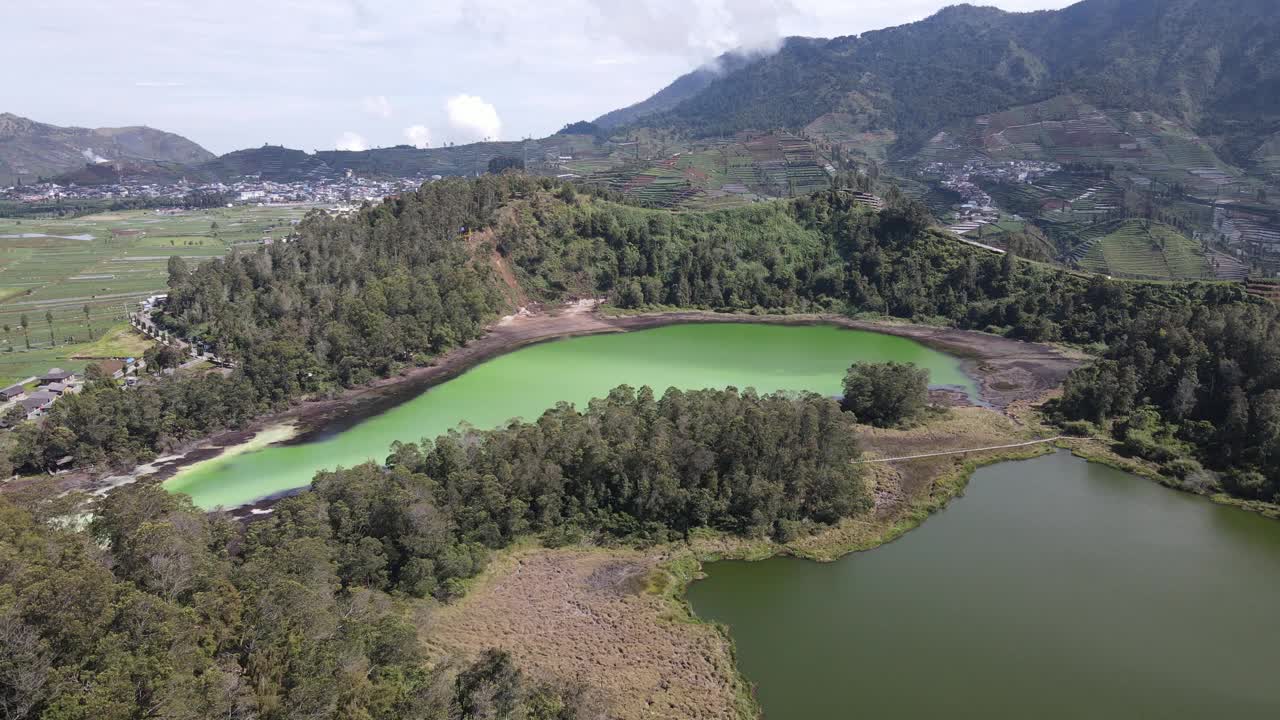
column 1054, row 588
column 529, row 381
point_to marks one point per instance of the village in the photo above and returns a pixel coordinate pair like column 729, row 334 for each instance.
column 977, row 207
column 31, row 398
column 347, row 189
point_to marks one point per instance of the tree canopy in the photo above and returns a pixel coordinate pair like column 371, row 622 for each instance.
column 886, row 394
column 160, row 610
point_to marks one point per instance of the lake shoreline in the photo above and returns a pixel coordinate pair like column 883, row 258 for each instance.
column 708, row 602
column 1007, row 373
column 497, row 604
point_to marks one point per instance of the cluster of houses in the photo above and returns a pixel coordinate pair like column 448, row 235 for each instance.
column 247, row 191
column 36, row 395
column 48, row 388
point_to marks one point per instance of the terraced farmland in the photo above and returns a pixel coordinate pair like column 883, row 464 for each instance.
column 1266, row 158
column 1142, row 249
column 662, row 186
column 718, row 173
column 106, row 263
column 1067, row 129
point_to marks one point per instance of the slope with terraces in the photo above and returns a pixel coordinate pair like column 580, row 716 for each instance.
column 1144, row 250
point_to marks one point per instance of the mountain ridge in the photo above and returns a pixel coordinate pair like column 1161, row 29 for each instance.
column 681, row 89
column 30, row 149
column 1213, row 65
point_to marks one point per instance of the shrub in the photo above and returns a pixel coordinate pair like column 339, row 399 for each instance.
column 1078, row 428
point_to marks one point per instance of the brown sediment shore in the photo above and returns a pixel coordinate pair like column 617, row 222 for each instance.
column 1006, row 371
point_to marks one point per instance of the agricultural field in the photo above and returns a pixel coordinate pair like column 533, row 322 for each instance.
column 115, row 341
column 106, row 263
column 1146, row 250
column 1142, row 147
column 1267, row 158
column 712, row 174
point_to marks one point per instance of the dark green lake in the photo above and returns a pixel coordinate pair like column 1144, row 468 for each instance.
column 1055, row 588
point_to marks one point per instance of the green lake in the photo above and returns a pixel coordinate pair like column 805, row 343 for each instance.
column 1055, row 588
column 529, row 381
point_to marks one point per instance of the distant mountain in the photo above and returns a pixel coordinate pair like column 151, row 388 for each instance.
column 30, row 149
column 281, row 164
column 1213, row 65
column 684, row 87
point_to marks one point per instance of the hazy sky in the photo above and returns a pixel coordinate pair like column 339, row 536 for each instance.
column 319, row 74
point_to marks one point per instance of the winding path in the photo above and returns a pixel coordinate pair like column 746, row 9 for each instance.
column 969, row 450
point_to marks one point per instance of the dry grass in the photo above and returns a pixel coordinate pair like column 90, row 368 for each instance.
column 608, row 618
column 120, row 341
column 957, row 429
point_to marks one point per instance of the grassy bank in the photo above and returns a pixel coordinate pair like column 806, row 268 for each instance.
column 1102, row 450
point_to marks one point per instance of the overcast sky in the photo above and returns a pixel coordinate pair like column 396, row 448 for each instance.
column 319, row 74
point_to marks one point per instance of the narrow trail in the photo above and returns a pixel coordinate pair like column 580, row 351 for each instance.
column 969, row 450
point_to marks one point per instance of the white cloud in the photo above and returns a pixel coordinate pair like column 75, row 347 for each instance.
column 377, row 105
column 545, row 64
column 473, row 118
column 706, row 28
column 351, row 141
column 418, row 136
column 615, row 60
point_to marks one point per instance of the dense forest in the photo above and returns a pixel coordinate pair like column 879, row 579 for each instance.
column 1200, row 381
column 628, row 467
column 161, row 610
column 352, row 299
column 886, row 394
column 398, row 283
column 824, row 252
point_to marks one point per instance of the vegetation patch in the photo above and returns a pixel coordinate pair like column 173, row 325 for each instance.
column 578, row 614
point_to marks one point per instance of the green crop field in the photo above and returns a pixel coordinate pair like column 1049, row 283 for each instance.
column 115, row 341
column 1142, row 249
column 107, row 263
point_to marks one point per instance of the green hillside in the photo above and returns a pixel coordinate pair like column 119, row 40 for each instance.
column 1142, row 249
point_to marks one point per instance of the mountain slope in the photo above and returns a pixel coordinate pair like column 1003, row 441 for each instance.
column 1212, row 64
column 684, row 87
column 30, row 149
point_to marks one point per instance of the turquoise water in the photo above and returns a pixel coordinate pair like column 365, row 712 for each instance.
column 527, row 382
